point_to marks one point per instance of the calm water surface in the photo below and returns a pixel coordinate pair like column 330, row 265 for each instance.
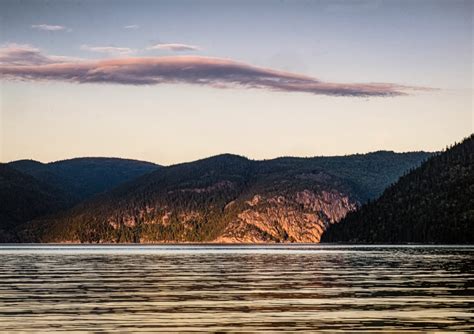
column 236, row 288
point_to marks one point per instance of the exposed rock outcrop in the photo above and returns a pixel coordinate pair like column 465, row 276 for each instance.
column 299, row 218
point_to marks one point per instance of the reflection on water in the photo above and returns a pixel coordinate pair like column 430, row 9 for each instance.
column 229, row 288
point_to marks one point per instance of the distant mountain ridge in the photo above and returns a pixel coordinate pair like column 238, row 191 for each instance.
column 22, row 198
column 433, row 203
column 81, row 178
column 30, row 189
column 229, row 198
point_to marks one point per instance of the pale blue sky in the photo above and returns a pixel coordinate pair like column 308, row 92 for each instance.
column 412, row 43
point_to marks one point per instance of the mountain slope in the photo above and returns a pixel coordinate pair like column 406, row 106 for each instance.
column 81, row 178
column 368, row 173
column 23, row 198
column 432, row 204
column 228, row 198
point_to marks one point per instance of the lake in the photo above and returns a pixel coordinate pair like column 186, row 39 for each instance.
column 236, row 288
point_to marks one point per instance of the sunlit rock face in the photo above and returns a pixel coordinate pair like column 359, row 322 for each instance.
column 225, row 212
column 301, row 217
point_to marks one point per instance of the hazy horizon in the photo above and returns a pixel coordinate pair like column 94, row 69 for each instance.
column 176, row 81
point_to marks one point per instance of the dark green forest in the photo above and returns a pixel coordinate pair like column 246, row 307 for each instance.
column 22, row 198
column 30, row 189
column 433, row 203
column 196, row 201
column 81, row 178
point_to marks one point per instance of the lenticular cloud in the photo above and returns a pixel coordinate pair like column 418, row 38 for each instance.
column 27, row 63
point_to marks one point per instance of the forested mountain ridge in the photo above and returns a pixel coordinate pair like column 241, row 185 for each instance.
column 30, row 189
column 23, row 198
column 228, row 198
column 81, row 178
column 433, row 203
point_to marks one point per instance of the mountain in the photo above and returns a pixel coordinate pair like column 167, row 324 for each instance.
column 433, row 203
column 228, row 198
column 81, row 178
column 23, row 198
column 30, row 189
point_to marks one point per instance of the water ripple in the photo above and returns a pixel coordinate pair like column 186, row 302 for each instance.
column 236, row 288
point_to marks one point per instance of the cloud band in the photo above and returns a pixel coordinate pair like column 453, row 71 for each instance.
column 174, row 47
column 48, row 27
column 214, row 72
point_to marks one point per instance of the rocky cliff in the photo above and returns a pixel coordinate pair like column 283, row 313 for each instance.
column 299, row 217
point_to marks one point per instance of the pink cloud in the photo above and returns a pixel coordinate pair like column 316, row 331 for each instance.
column 23, row 54
column 29, row 64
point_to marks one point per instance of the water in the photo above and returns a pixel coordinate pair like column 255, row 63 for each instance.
column 236, row 288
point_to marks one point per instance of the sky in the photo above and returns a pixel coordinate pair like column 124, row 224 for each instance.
column 175, row 81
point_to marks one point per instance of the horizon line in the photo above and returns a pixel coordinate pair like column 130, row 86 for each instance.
column 221, row 154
